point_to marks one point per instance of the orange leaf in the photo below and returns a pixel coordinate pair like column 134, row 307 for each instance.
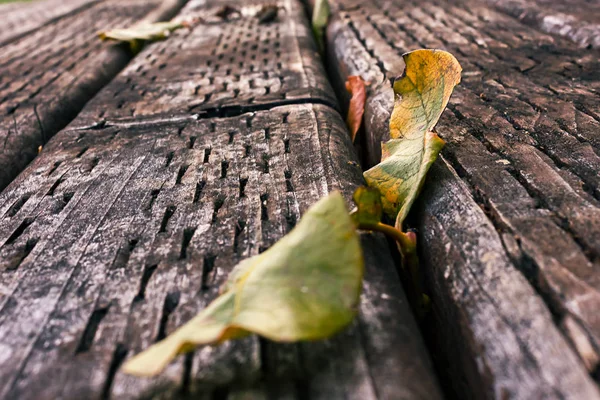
column 355, row 86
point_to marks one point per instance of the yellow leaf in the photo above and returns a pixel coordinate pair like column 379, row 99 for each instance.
column 368, row 206
column 141, row 31
column 305, row 287
column 422, row 94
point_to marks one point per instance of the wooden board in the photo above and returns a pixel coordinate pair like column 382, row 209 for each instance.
column 49, row 75
column 21, row 18
column 119, row 232
column 577, row 20
column 219, row 67
column 510, row 219
column 126, row 232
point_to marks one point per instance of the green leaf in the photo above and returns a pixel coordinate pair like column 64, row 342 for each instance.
column 319, row 21
column 422, row 94
column 369, row 208
column 305, row 287
column 141, row 31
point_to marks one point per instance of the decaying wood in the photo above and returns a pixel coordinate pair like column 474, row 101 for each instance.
column 517, row 198
column 578, row 20
column 119, row 232
column 128, row 231
column 49, row 75
column 19, row 19
column 219, row 67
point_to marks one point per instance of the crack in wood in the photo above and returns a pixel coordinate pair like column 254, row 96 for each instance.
column 119, row 356
column 14, row 209
column 170, row 304
column 188, row 234
column 19, row 231
column 208, row 271
column 182, row 170
column 169, row 211
column 146, row 275
column 87, row 338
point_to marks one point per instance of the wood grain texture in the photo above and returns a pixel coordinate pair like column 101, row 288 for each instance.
column 577, row 20
column 49, row 75
column 515, row 206
column 21, row 18
column 121, row 231
column 219, row 67
column 128, row 231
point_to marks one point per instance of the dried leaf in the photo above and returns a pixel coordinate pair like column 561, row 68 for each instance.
column 305, row 287
column 267, row 14
column 369, row 208
column 356, row 87
column 142, row 31
column 226, row 12
column 319, row 21
column 422, row 94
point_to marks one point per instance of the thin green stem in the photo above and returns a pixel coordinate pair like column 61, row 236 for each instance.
column 389, row 230
column 407, row 244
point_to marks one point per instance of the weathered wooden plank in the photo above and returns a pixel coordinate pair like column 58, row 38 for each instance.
column 22, row 18
column 117, row 234
column 576, row 20
column 151, row 227
column 49, row 75
column 502, row 332
column 530, row 163
column 220, row 66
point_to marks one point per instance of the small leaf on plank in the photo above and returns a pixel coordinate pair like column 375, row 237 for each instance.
column 422, row 94
column 356, row 87
column 143, row 31
column 305, row 287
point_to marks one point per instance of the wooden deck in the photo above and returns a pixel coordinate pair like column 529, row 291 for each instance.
column 159, row 172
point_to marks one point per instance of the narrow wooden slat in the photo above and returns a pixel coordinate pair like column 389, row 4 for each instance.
column 219, row 67
column 577, row 20
column 528, row 156
column 49, row 75
column 21, row 18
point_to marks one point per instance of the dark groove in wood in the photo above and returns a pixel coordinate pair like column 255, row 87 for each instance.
column 146, row 275
column 85, row 343
column 170, row 304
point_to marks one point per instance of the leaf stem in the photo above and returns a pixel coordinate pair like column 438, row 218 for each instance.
column 406, row 241
column 407, row 244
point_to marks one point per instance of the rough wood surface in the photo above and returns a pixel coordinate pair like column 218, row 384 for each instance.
column 219, row 67
column 578, row 20
column 49, row 75
column 118, row 233
column 515, row 201
column 20, row 18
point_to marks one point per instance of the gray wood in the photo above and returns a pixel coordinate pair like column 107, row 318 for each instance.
column 509, row 222
column 115, row 219
column 21, row 18
column 577, row 20
column 219, row 67
column 49, row 75
column 124, row 227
